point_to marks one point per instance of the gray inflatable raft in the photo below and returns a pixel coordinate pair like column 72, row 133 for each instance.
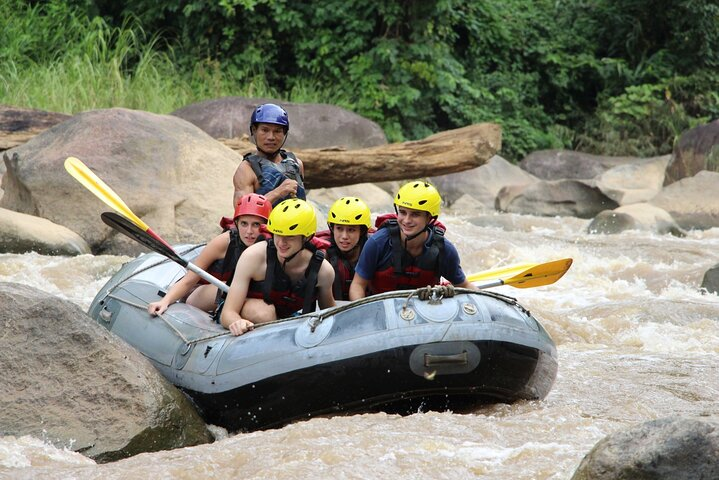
column 391, row 352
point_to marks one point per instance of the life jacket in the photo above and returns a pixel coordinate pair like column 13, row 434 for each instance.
column 224, row 270
column 404, row 272
column 270, row 174
column 277, row 288
column 344, row 273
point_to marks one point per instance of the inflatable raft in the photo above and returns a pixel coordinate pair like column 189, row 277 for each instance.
column 391, row 352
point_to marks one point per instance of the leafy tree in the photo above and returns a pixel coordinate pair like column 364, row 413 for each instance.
column 608, row 76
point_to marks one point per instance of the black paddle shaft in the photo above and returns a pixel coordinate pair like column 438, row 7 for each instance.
column 126, row 227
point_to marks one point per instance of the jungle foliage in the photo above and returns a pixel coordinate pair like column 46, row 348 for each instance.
column 605, row 76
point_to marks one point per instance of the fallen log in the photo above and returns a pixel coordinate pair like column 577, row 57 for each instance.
column 20, row 125
column 445, row 152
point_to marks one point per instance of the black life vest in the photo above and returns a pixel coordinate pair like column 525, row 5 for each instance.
column 270, row 174
column 344, row 272
column 225, row 269
column 405, row 272
column 344, row 269
column 277, row 289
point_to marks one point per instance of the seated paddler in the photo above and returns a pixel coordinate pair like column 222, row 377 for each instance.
column 349, row 225
column 409, row 251
column 219, row 257
column 281, row 277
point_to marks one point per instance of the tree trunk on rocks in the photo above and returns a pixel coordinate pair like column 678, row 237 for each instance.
column 445, row 152
column 19, row 125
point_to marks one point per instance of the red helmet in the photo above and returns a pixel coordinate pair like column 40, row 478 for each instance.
column 253, row 204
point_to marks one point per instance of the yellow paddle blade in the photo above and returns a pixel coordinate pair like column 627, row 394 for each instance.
column 542, row 274
column 92, row 182
column 502, row 272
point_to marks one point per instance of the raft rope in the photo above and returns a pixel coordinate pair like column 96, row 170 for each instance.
column 431, row 294
column 162, row 316
column 153, row 265
column 434, row 294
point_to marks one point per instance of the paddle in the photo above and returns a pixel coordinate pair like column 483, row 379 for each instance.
column 124, row 226
column 501, row 272
column 140, row 231
column 534, row 276
column 92, row 182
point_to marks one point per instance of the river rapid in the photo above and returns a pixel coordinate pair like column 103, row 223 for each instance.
column 637, row 341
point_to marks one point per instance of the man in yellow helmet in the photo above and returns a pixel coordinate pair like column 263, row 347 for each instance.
column 282, row 276
column 409, row 252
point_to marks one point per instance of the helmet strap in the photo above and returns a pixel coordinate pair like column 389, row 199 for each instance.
column 305, row 245
column 426, row 228
column 289, row 259
column 409, row 238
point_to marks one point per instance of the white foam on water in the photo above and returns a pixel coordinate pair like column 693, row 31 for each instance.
column 76, row 279
column 700, row 337
column 26, row 451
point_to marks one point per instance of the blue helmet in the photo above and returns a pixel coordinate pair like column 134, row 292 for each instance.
column 270, row 113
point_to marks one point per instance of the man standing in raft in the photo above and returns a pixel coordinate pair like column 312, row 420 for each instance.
column 411, row 251
column 275, row 173
column 287, row 274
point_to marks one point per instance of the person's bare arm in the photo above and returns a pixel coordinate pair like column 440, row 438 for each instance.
column 244, row 181
column 288, row 188
column 302, row 167
column 215, row 250
column 466, row 284
column 249, row 263
column 324, row 281
column 358, row 288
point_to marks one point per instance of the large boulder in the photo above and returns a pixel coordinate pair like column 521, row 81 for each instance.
column 564, row 198
column 569, row 164
column 69, row 381
column 665, row 449
column 638, row 216
column 482, row 183
column 635, row 182
column 20, row 233
column 311, row 125
column 696, row 150
column 693, row 201
column 174, row 176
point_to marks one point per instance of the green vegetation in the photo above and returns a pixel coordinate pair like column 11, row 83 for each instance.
column 619, row 77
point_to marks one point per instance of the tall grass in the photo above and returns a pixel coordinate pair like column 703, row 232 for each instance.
column 55, row 58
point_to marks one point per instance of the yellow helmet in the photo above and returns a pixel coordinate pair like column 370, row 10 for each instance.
column 349, row 211
column 293, row 217
column 419, row 196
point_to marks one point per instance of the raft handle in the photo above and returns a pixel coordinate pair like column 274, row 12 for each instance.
column 105, row 315
column 435, row 360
